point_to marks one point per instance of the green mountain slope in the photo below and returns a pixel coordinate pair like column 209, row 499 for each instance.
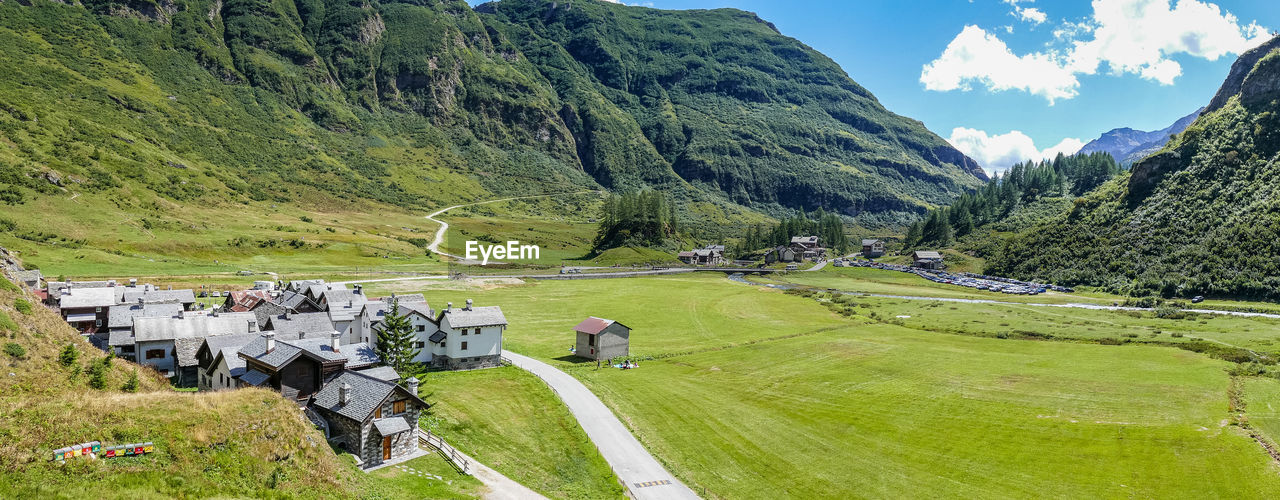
column 727, row 103
column 1201, row 216
column 128, row 124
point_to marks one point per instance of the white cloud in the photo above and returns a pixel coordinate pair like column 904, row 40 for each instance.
column 1137, row 37
column 1031, row 15
column 975, row 55
column 996, row 153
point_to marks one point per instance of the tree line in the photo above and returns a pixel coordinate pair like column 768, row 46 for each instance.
column 828, row 227
column 639, row 218
column 1024, row 182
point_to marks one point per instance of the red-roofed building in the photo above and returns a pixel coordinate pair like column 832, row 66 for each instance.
column 602, row 339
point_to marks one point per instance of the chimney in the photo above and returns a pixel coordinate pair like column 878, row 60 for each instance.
column 335, row 339
column 468, row 308
column 359, row 289
column 271, row 340
column 286, row 314
column 141, row 301
column 253, row 326
column 448, row 306
column 413, row 385
column 344, row 394
column 133, row 281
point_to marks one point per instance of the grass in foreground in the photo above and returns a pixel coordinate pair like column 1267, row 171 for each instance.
column 509, row 420
column 759, row 394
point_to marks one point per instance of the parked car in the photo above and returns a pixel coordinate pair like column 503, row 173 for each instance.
column 1197, row 299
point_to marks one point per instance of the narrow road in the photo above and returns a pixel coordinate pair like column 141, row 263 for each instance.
column 444, row 226
column 626, row 456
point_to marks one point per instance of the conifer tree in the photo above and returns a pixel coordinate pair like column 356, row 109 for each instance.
column 395, row 340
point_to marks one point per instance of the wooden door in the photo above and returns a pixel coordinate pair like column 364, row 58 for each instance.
column 386, row 448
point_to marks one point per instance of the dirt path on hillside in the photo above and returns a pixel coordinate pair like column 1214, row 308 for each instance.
column 444, row 226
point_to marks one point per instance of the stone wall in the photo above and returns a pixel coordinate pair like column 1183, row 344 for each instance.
column 441, row 362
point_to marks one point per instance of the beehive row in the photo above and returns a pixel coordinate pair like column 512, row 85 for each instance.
column 94, row 449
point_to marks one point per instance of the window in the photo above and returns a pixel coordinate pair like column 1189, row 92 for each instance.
column 155, row 353
column 377, row 412
column 591, row 340
column 422, row 328
column 419, row 345
column 464, row 331
column 464, row 346
column 97, row 322
column 97, row 309
column 397, row 407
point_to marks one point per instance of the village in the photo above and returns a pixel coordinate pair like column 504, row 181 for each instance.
column 349, row 361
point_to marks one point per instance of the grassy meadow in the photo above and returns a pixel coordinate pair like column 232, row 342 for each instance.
column 509, row 420
column 749, row 392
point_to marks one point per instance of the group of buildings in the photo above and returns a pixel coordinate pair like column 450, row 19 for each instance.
column 801, row 248
column 311, row 341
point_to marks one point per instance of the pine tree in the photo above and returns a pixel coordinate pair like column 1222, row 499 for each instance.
column 395, row 340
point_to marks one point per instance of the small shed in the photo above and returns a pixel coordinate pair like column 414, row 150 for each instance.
column 926, row 259
column 602, row 339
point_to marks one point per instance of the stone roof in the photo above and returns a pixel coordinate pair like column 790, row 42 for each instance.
column 302, row 285
column 76, row 297
column 151, row 295
column 415, row 303
column 806, row 240
column 366, row 393
column 292, row 324
column 254, row 378
column 594, row 325
column 122, row 315
column 213, row 345
column 391, row 426
column 343, row 296
column 32, row 275
column 867, row 243
column 381, row 373
column 925, row 254
column 292, row 300
column 120, row 338
column 235, row 364
column 316, row 347
column 191, row 325
column 475, row 316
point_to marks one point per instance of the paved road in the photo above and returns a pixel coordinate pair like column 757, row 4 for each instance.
column 444, row 226
column 629, row 460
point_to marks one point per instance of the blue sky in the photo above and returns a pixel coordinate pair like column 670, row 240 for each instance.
column 1135, row 63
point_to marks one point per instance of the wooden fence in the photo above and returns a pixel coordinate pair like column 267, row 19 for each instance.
column 450, row 454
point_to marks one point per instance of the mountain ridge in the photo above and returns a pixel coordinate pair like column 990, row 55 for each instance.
column 1128, row 145
column 356, row 99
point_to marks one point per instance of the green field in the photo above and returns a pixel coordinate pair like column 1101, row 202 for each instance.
column 510, row 421
column 747, row 392
column 401, row 483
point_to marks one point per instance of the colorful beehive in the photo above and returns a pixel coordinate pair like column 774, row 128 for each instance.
column 77, row 450
column 138, row 449
column 148, row 447
column 110, row 452
column 96, row 445
column 67, row 453
column 60, row 454
column 128, row 449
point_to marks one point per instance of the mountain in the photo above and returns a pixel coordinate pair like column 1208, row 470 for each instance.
column 1127, row 145
column 162, row 104
column 1199, row 217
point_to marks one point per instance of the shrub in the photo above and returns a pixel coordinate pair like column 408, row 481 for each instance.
column 15, row 350
column 306, row 219
column 131, row 385
column 69, row 355
column 22, row 306
column 98, row 373
column 1176, row 334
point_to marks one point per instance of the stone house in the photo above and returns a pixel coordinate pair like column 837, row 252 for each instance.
column 926, row 259
column 374, row 419
column 602, row 339
column 414, row 306
column 170, row 344
column 779, row 254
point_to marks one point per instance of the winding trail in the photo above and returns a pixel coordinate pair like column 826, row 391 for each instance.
column 642, row 475
column 444, row 226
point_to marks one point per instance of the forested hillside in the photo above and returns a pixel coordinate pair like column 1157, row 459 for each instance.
column 324, row 103
column 1201, row 216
